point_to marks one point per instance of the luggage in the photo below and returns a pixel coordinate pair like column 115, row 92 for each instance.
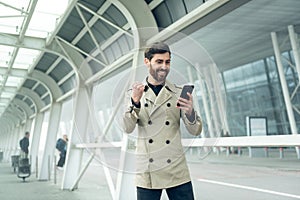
column 15, row 162
column 24, row 168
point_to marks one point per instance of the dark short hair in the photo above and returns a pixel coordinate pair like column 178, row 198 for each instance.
column 27, row 133
column 157, row 47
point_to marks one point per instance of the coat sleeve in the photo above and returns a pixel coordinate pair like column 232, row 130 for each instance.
column 194, row 127
column 21, row 144
column 130, row 115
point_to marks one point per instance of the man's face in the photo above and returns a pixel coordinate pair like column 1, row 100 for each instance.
column 159, row 67
column 65, row 137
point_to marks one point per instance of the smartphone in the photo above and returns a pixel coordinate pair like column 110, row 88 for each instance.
column 186, row 89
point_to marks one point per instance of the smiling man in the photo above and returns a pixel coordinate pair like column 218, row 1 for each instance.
column 156, row 108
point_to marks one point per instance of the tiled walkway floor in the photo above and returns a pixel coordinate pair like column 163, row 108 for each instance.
column 214, row 177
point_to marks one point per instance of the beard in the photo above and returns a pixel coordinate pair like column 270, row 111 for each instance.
column 159, row 75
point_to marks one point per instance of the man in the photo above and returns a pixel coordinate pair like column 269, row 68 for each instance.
column 157, row 108
column 61, row 146
column 24, row 144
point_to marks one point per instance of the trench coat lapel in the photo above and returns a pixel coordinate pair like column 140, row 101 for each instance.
column 163, row 96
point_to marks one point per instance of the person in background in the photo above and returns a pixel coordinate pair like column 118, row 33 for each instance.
column 155, row 108
column 61, row 146
column 24, row 144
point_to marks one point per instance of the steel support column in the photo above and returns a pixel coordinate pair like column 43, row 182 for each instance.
column 51, row 137
column 217, row 84
column 295, row 48
column 34, row 149
column 125, row 183
column 213, row 102
column 284, row 86
column 79, row 127
column 296, row 53
column 206, row 107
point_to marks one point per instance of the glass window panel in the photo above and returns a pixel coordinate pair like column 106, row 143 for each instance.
column 45, row 17
column 7, row 95
column 13, row 81
column 43, row 136
column 5, row 55
column 251, row 91
column 25, row 58
column 66, row 118
column 12, row 14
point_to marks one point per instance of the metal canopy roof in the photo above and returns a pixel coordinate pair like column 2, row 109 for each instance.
column 244, row 35
column 39, row 65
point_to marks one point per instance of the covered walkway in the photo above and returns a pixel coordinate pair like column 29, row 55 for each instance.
column 66, row 70
column 241, row 177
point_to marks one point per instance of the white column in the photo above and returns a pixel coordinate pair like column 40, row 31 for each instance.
column 125, row 187
column 18, row 135
column 221, row 101
column 191, row 79
column 296, row 53
column 51, row 137
column 284, row 86
column 213, row 101
column 295, row 47
column 34, row 149
column 27, row 126
column 7, row 145
column 78, row 131
column 4, row 146
column 206, row 107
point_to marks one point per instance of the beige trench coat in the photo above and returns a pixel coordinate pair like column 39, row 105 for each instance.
column 160, row 156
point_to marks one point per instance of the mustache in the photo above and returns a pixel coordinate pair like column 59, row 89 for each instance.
column 163, row 70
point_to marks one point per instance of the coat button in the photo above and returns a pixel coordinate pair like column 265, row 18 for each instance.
column 169, row 161
column 168, row 104
column 150, row 141
column 151, row 160
column 167, row 123
column 149, row 122
column 167, row 141
column 146, row 105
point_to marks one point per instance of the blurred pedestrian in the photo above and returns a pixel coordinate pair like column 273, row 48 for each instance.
column 61, row 146
column 24, row 144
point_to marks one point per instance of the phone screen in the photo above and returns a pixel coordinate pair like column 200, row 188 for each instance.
column 186, row 89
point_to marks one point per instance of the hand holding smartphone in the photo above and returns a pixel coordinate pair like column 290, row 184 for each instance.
column 186, row 89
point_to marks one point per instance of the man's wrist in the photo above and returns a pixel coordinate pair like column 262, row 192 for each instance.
column 135, row 104
column 191, row 117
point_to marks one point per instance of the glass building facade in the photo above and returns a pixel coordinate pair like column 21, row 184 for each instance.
column 254, row 89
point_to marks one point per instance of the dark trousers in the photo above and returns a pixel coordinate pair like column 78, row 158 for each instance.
column 180, row 192
column 62, row 158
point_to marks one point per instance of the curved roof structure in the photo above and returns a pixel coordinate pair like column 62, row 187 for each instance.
column 47, row 51
column 65, row 66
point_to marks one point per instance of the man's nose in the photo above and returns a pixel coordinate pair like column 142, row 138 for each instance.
column 164, row 65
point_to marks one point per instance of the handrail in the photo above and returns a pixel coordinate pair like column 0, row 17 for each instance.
column 243, row 141
column 279, row 141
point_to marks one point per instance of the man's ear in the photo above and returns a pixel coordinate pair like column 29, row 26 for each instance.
column 146, row 61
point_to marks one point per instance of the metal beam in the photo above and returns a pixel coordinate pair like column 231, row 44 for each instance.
column 285, row 91
column 33, row 96
column 48, row 82
column 24, row 106
column 28, row 42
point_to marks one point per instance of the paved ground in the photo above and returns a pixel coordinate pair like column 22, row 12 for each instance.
column 215, row 177
column 246, row 178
